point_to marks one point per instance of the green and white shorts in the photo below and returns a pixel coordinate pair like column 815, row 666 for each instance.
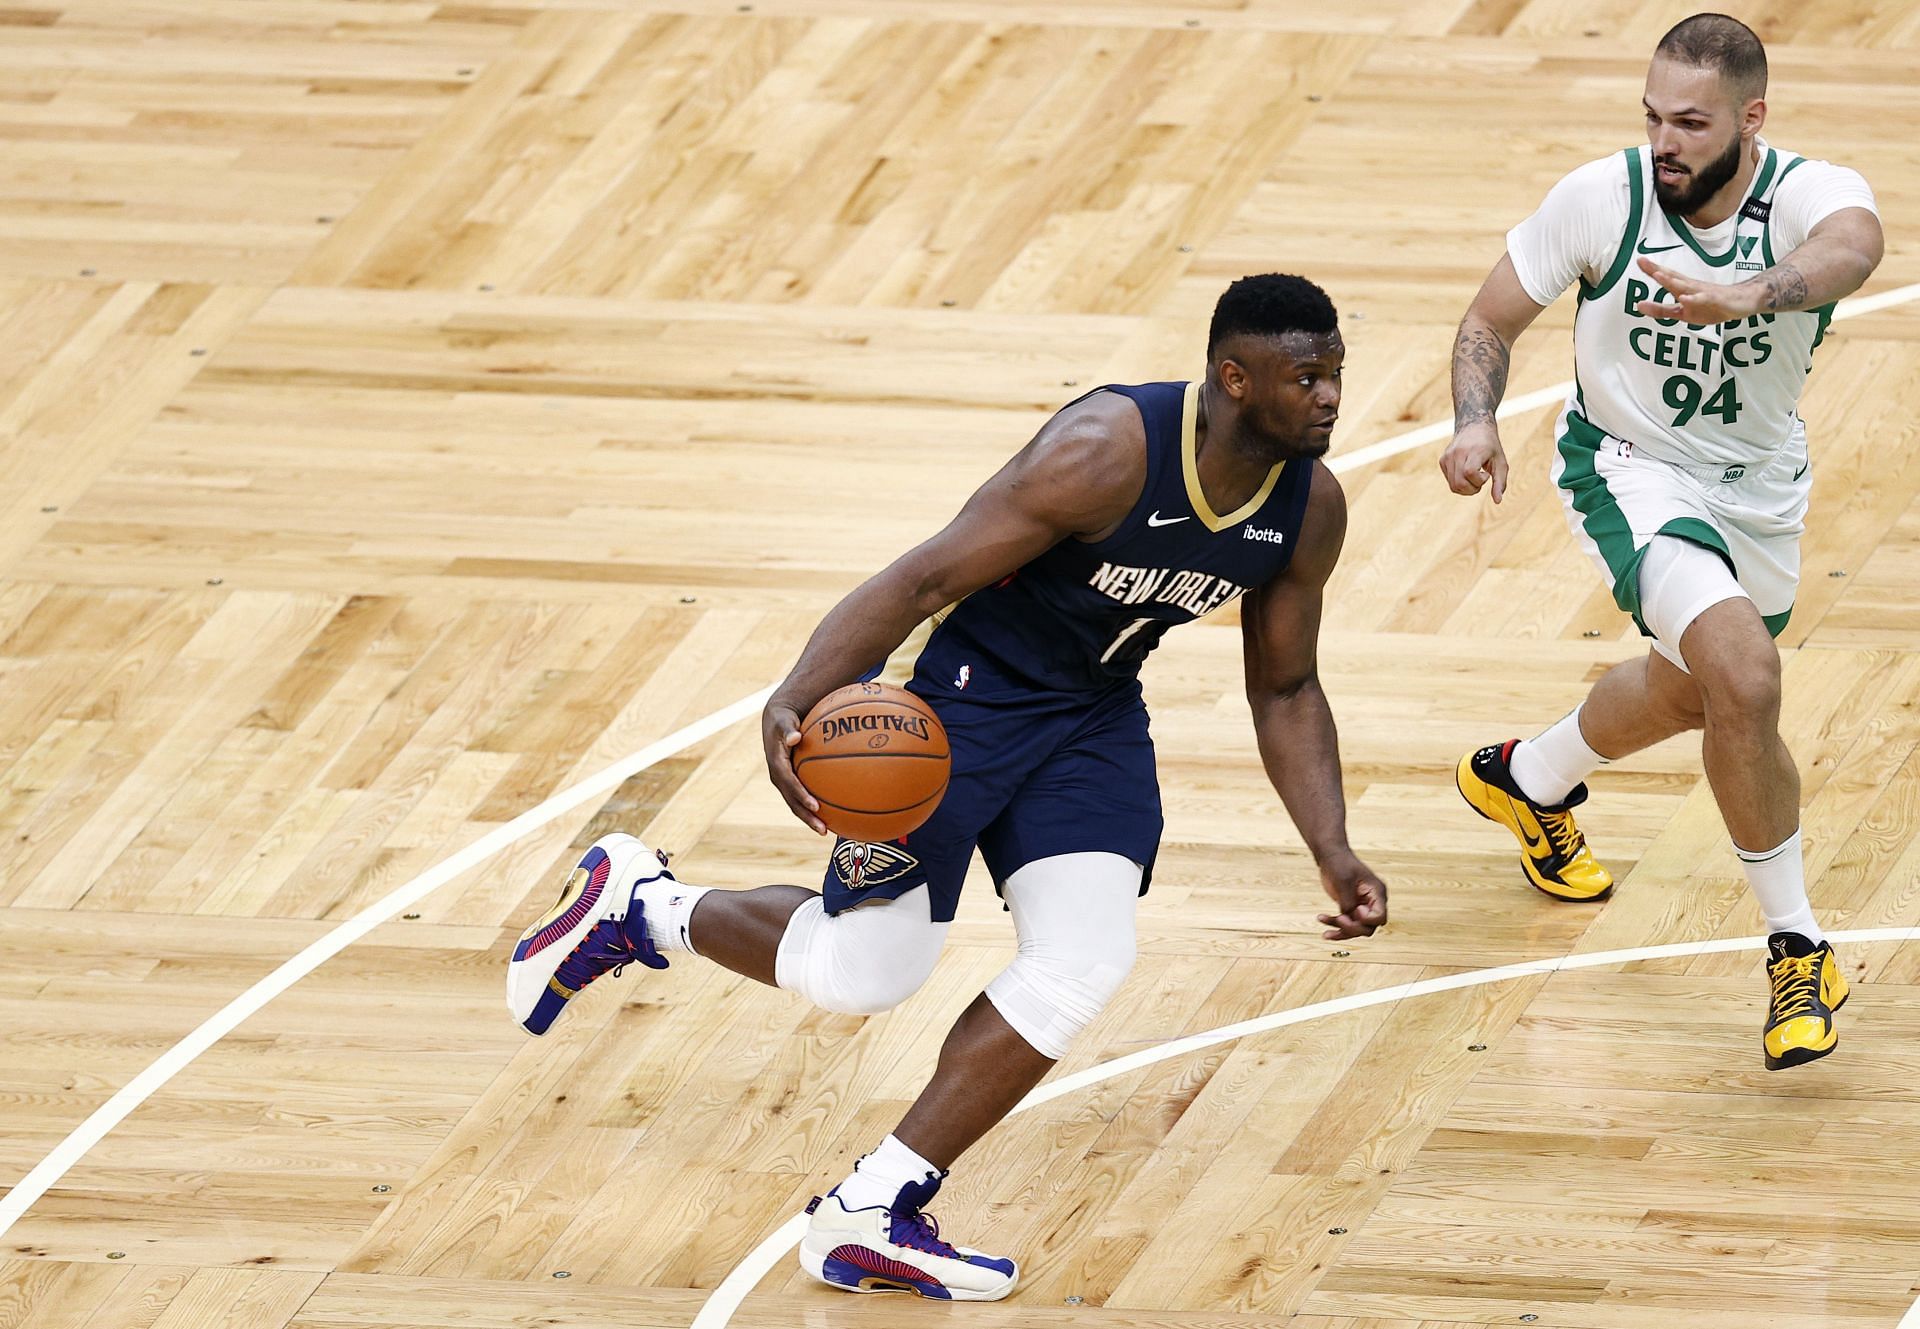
column 1618, row 500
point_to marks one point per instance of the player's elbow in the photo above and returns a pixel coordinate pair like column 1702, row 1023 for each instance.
column 1485, row 332
column 1867, row 255
column 1280, row 690
column 1869, row 241
column 1858, row 245
column 931, row 593
column 918, row 588
column 1855, row 263
column 1479, row 318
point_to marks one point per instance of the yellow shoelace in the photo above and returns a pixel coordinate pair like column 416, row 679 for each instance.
column 1795, row 985
column 1562, row 834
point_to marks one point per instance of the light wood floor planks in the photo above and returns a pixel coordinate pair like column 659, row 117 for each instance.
column 408, row 409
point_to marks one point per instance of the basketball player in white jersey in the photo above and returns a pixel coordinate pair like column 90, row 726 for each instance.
column 1708, row 264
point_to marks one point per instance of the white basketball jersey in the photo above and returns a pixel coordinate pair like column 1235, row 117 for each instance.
column 1724, row 394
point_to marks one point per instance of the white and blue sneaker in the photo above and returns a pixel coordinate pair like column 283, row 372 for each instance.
column 596, row 928
column 897, row 1249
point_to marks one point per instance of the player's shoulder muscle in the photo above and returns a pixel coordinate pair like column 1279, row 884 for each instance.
column 1089, row 462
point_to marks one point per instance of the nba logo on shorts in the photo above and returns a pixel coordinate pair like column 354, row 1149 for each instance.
column 1732, row 473
column 964, row 677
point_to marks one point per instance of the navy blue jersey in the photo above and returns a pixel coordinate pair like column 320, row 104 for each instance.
column 1085, row 614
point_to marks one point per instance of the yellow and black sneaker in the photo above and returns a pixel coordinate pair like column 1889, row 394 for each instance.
column 1808, row 988
column 1554, row 854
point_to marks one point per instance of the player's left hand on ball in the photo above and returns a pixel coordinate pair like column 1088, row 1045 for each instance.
column 1694, row 301
column 779, row 733
column 1360, row 895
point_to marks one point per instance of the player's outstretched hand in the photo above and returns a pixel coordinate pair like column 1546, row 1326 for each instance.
column 1473, row 458
column 1694, row 301
column 1360, row 895
column 779, row 732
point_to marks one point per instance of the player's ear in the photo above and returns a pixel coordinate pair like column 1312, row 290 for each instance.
column 1753, row 117
column 1233, row 377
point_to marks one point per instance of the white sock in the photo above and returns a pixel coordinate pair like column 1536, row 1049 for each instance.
column 1778, row 879
column 876, row 1179
column 1547, row 767
column 669, row 907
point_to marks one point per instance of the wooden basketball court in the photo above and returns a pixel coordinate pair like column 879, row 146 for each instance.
column 411, row 409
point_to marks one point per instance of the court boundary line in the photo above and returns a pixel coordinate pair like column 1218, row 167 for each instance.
column 78, row 1142
column 175, row 1059
column 726, row 1298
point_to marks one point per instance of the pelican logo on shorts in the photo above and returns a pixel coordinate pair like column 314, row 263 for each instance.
column 1731, row 474
column 860, row 865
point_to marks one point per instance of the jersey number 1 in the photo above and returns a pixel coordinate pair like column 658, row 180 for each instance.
column 1683, row 394
column 1128, row 631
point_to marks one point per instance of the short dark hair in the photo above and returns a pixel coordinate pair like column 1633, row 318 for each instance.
column 1271, row 305
column 1722, row 44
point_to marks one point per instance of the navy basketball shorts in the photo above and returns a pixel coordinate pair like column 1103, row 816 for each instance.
column 1035, row 774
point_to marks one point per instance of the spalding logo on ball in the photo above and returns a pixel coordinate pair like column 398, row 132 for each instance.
column 876, row 758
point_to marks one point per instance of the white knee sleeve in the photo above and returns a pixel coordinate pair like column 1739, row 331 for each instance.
column 1679, row 581
column 864, row 961
column 1074, row 914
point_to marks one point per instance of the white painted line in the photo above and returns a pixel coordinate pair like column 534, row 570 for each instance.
column 137, row 1090
column 1873, row 304
column 176, row 1058
column 1557, row 393
column 1434, row 433
column 718, row 1309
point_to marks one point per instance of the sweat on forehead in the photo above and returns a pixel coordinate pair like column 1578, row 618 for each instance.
column 1295, row 345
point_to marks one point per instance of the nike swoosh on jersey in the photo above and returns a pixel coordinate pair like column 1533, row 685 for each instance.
column 1802, row 471
column 1646, row 248
column 1157, row 520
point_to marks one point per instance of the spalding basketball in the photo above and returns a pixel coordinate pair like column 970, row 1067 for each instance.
column 876, row 758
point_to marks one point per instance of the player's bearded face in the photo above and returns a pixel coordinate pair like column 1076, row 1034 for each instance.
column 1695, row 123
column 1700, row 181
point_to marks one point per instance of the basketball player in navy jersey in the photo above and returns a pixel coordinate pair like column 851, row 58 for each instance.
column 1134, row 509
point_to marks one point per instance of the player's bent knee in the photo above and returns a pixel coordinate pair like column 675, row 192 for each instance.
column 865, row 961
column 1739, row 674
column 1075, row 917
column 1048, row 1001
column 1744, row 691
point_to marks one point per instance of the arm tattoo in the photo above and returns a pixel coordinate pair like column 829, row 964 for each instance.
column 1480, row 361
column 1784, row 286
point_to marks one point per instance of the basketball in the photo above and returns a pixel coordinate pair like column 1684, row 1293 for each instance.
column 876, row 758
